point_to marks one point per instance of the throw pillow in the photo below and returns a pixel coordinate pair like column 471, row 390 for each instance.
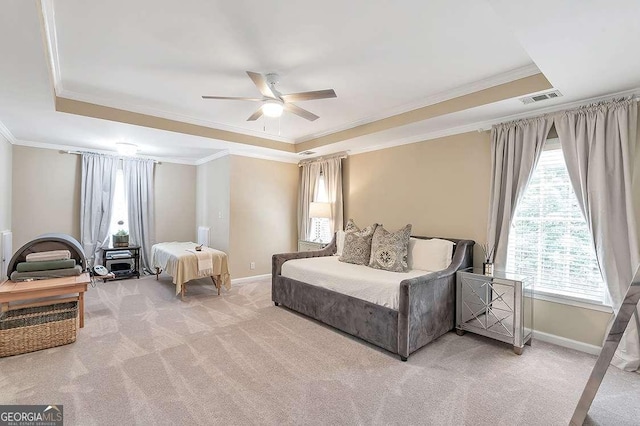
column 430, row 255
column 389, row 249
column 357, row 243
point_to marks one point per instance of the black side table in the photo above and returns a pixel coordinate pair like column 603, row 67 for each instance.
column 107, row 256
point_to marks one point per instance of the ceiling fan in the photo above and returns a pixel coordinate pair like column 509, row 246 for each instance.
column 274, row 102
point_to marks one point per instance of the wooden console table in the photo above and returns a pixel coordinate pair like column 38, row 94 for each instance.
column 20, row 291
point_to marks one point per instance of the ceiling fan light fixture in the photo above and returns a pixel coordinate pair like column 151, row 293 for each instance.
column 272, row 109
column 126, row 149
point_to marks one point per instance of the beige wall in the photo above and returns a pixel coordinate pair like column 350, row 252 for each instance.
column 46, row 193
column 212, row 204
column 175, row 194
column 263, row 213
column 46, row 196
column 441, row 187
column 6, row 161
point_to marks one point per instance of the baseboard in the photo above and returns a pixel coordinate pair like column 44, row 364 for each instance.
column 566, row 343
column 248, row 279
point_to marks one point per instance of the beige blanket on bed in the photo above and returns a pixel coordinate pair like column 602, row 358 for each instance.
column 178, row 260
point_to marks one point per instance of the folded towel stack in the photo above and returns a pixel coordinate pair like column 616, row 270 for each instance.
column 45, row 256
column 45, row 265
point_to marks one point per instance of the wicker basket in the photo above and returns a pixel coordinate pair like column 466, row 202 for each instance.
column 32, row 329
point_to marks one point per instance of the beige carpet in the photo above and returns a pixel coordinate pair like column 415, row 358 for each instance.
column 145, row 357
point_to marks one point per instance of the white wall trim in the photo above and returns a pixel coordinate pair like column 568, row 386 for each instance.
column 174, row 160
column 446, row 95
column 260, row 156
column 244, row 153
column 51, row 39
column 4, row 131
column 566, row 343
column 212, row 157
column 58, row 147
column 249, row 279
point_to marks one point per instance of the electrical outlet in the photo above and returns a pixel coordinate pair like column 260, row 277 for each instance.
column 252, row 265
column 219, row 215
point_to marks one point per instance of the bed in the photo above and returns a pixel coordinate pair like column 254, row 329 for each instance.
column 399, row 312
column 184, row 263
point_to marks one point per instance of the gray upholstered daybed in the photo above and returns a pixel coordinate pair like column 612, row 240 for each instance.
column 426, row 304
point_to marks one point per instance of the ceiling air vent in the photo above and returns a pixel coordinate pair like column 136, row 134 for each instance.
column 307, row 153
column 541, row 97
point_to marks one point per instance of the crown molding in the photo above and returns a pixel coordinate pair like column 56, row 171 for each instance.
column 482, row 126
column 60, row 147
column 215, row 156
column 157, row 112
column 496, row 80
column 261, row 156
column 173, row 160
column 4, row 131
column 51, row 41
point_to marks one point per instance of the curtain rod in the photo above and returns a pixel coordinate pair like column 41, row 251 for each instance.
column 89, row 152
column 323, row 157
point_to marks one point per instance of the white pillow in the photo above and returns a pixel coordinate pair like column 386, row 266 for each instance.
column 339, row 242
column 430, row 255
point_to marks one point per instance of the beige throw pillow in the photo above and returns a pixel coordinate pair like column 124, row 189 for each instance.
column 357, row 243
column 389, row 249
column 430, row 255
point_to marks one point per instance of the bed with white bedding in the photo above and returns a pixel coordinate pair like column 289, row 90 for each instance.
column 373, row 285
column 184, row 263
column 400, row 312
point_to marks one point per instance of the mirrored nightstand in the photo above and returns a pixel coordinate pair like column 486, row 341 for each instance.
column 499, row 306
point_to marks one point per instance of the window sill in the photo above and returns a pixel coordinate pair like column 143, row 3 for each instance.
column 566, row 300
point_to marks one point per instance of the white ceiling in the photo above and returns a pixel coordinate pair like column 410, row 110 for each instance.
column 158, row 57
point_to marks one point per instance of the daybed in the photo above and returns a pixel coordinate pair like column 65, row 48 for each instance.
column 184, row 263
column 424, row 309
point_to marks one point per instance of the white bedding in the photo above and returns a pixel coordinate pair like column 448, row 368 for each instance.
column 373, row 285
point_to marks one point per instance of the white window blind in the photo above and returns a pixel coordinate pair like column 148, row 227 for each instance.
column 119, row 211
column 549, row 238
column 320, row 228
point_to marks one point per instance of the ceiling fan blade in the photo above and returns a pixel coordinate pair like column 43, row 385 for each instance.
column 232, row 98
column 309, row 96
column 300, row 111
column 261, row 84
column 255, row 115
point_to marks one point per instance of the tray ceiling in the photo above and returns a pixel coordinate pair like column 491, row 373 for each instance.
column 135, row 71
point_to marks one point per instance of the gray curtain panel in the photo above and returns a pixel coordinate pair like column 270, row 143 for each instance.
column 139, row 192
column 331, row 169
column 310, row 173
column 515, row 150
column 96, row 199
column 332, row 172
column 599, row 142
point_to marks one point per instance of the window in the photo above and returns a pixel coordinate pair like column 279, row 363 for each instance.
column 119, row 212
column 320, row 227
column 549, row 238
